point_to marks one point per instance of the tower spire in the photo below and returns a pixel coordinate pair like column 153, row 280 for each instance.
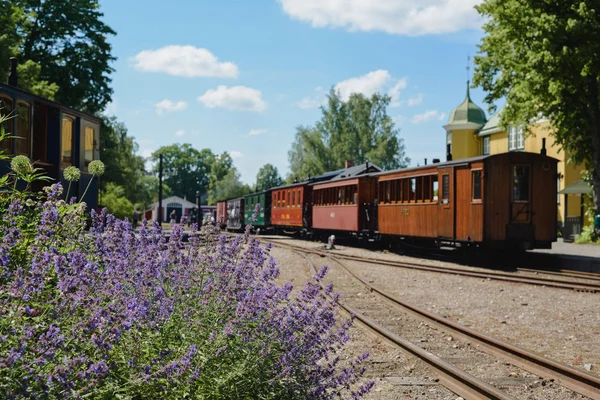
column 468, row 76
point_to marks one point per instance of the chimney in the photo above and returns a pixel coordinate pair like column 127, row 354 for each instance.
column 425, row 161
column 12, row 78
column 349, row 163
column 448, row 152
column 543, row 152
column 435, row 160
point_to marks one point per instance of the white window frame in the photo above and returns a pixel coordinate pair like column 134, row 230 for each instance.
column 486, row 145
column 516, row 141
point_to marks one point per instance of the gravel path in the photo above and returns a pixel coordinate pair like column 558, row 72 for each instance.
column 560, row 324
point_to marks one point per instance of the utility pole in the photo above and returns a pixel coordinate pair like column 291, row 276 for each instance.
column 160, row 193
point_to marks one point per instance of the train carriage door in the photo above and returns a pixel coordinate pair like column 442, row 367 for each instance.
column 446, row 203
column 462, row 204
column 519, row 227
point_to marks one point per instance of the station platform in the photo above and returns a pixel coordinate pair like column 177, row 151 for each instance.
column 577, row 257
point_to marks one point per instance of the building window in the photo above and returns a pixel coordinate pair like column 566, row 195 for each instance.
column 6, row 109
column 476, row 185
column 558, row 190
column 67, row 141
column 88, row 144
column 521, row 183
column 515, row 138
column 449, row 142
column 23, row 129
column 445, row 187
column 486, row 146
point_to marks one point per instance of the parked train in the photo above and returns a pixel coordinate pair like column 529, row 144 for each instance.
column 502, row 201
column 50, row 134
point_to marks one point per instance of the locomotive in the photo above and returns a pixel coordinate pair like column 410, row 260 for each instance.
column 501, row 201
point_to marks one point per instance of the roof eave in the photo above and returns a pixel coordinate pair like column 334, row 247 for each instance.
column 464, row 125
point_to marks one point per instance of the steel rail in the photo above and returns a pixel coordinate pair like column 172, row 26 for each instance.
column 563, row 272
column 502, row 276
column 458, row 381
column 566, row 375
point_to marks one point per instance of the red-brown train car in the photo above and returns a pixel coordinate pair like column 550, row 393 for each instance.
column 498, row 201
column 222, row 213
column 290, row 206
column 345, row 205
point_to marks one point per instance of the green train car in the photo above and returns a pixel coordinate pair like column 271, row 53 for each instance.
column 263, row 218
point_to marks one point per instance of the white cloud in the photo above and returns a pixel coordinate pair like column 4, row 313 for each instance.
column 235, row 154
column 428, row 115
column 147, row 153
column 367, row 84
column 413, row 101
column 399, row 17
column 256, row 132
column 186, row 61
column 167, row 106
column 394, row 92
column 233, row 98
column 180, row 133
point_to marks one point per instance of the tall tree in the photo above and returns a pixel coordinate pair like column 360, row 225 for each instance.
column 358, row 129
column 118, row 151
column 221, row 165
column 229, row 187
column 185, row 169
column 68, row 42
column 268, row 177
column 544, row 58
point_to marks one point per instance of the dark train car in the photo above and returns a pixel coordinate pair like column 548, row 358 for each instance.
column 345, row 206
column 50, row 134
column 221, row 214
column 235, row 214
column 263, row 200
column 291, row 207
column 498, row 201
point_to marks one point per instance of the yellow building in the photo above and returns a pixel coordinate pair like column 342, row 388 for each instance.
column 469, row 134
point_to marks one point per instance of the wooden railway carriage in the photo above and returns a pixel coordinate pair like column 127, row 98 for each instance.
column 291, row 207
column 221, row 214
column 345, row 205
column 235, row 214
column 50, row 134
column 499, row 201
column 263, row 200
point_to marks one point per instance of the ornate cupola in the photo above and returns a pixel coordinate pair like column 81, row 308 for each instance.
column 462, row 127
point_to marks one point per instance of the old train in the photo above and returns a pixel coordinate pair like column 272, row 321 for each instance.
column 50, row 134
column 502, row 201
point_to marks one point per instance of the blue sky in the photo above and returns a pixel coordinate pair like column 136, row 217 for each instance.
column 240, row 76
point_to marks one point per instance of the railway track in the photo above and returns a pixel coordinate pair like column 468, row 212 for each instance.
column 458, row 380
column 593, row 286
column 453, row 378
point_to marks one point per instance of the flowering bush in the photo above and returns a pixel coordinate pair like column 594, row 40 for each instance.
column 118, row 313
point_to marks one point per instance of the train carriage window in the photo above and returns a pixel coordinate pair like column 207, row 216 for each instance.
column 413, row 189
column 387, row 192
column 6, row 109
column 435, row 188
column 67, row 141
column 419, row 189
column 40, row 128
column 445, row 188
column 521, row 183
column 23, row 131
column 89, row 136
column 427, row 188
column 476, row 184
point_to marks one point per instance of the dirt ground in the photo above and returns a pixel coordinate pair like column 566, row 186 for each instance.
column 560, row 324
